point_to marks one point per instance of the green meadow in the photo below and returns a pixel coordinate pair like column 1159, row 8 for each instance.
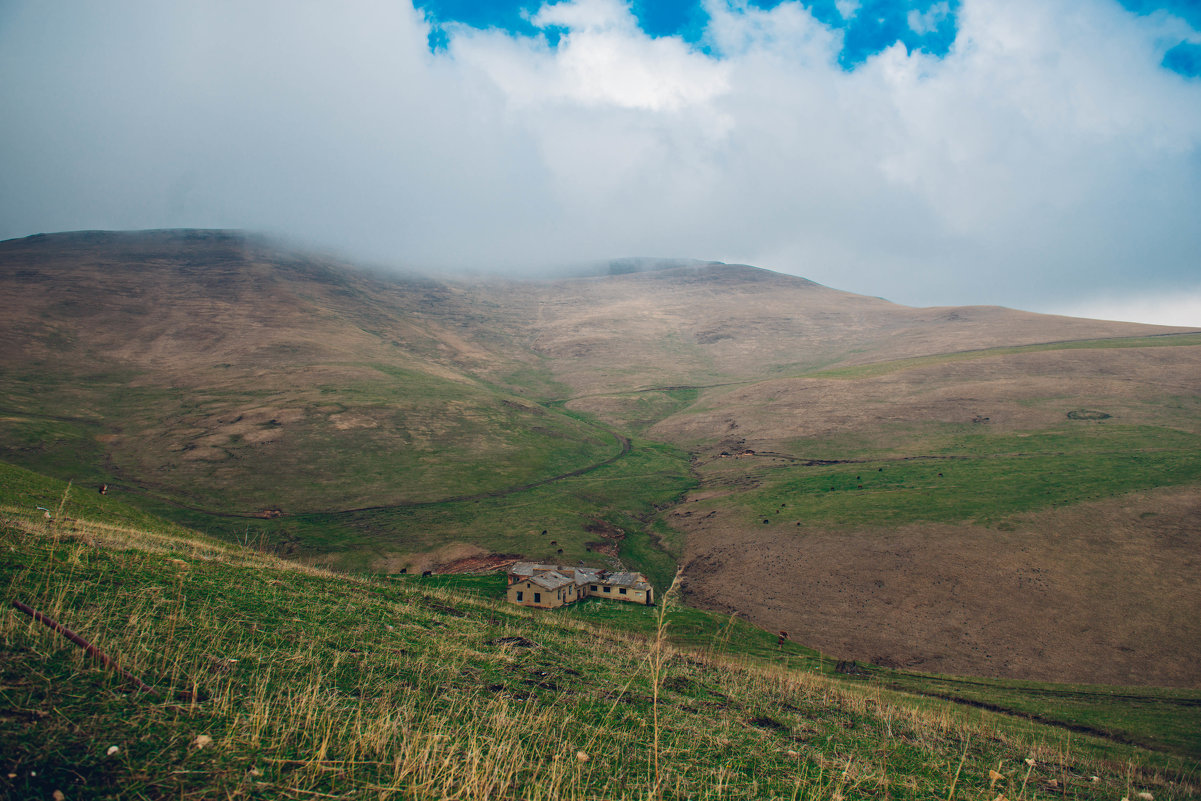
column 958, row 474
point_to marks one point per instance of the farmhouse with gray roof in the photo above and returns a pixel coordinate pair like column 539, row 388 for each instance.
column 552, row 586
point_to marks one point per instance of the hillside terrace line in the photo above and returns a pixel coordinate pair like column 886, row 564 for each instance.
column 552, row 586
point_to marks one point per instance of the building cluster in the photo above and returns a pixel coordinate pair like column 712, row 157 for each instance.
column 551, row 586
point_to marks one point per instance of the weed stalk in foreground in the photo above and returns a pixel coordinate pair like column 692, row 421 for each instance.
column 658, row 658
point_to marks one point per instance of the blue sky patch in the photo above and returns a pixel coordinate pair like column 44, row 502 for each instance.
column 1185, row 59
column 869, row 26
column 671, row 18
column 1187, row 10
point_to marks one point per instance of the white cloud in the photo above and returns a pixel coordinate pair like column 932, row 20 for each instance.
column 1182, row 308
column 923, row 22
column 1046, row 156
column 588, row 16
column 603, row 61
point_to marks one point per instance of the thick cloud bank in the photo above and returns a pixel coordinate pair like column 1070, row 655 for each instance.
column 1046, row 160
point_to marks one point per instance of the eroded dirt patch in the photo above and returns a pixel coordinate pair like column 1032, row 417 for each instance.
column 483, row 563
column 610, row 536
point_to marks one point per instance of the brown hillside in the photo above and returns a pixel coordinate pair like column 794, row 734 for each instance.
column 718, row 323
column 976, row 489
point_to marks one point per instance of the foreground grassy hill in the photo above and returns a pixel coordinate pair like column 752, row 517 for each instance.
column 268, row 678
column 907, row 487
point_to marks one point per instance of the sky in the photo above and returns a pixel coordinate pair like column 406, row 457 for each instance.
column 1039, row 154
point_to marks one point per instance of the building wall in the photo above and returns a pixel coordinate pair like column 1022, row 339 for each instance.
column 615, row 594
column 552, row 599
column 547, row 599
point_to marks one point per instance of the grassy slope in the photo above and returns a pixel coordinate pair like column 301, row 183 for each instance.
column 884, row 367
column 209, row 377
column 374, row 435
column 961, row 474
column 310, row 683
column 219, row 372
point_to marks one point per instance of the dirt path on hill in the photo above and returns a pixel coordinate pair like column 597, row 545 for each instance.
column 623, row 441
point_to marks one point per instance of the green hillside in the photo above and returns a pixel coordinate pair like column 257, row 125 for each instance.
column 271, row 679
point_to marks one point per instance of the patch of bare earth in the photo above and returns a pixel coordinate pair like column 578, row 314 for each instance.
column 486, row 563
column 610, row 540
column 452, row 557
column 1103, row 592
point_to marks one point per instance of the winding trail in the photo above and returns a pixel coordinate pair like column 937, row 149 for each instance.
column 623, row 441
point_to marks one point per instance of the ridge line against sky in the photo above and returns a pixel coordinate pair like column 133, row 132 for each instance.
column 1044, row 155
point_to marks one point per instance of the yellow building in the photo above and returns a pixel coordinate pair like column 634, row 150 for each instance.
column 552, row 586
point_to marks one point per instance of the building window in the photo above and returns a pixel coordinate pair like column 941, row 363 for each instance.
column 519, row 594
column 596, row 588
column 622, row 590
column 608, row 589
column 537, row 597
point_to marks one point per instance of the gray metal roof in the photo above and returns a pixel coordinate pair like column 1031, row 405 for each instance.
column 559, row 575
column 550, row 580
column 587, row 575
column 625, row 579
column 530, row 568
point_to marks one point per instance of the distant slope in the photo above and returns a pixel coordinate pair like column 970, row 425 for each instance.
column 219, row 372
column 713, row 323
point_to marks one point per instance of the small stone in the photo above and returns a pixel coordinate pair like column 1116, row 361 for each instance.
column 202, row 740
column 389, row 628
column 112, row 749
column 581, row 756
column 57, row 795
column 792, row 753
column 1145, row 796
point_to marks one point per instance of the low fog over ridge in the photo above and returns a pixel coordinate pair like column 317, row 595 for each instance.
column 1048, row 161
